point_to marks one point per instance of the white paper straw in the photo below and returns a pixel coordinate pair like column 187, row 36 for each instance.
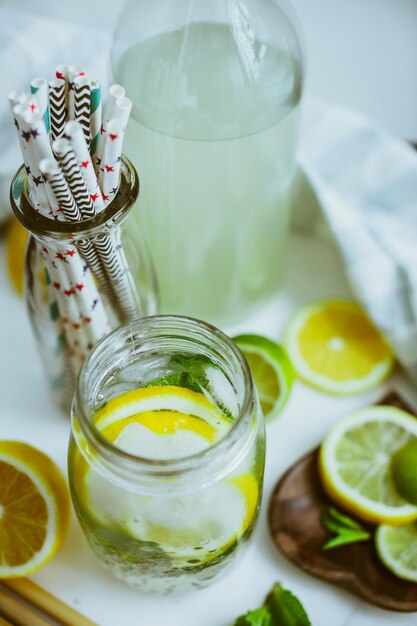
column 40, row 89
column 74, row 133
column 109, row 170
column 81, row 87
column 95, row 115
column 115, row 91
column 57, row 107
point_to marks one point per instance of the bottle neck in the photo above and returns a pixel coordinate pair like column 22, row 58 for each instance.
column 54, row 233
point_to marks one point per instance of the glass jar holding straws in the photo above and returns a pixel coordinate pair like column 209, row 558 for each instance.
column 87, row 268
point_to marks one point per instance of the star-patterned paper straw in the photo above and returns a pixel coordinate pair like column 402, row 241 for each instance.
column 21, row 113
column 95, row 114
column 74, row 134
column 109, row 171
column 39, row 88
column 115, row 91
column 121, row 109
column 57, row 107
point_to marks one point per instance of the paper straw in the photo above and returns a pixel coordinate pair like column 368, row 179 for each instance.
column 61, row 72
column 22, row 114
column 73, row 72
column 85, row 289
column 109, row 170
column 74, row 133
column 95, row 114
column 115, row 91
column 72, row 172
column 39, row 88
column 82, row 104
column 57, row 107
column 16, row 97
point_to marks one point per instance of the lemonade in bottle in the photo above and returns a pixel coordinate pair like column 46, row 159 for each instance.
column 167, row 453
column 216, row 87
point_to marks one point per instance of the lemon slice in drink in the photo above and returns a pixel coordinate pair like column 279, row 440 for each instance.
column 34, row 509
column 397, row 549
column 355, row 464
column 165, row 423
column 271, row 370
column 335, row 347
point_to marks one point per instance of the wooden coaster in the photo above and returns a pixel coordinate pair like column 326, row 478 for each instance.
column 294, row 515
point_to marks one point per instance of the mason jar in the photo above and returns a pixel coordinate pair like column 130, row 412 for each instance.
column 82, row 279
column 166, row 457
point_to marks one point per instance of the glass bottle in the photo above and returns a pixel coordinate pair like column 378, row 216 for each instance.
column 216, row 87
column 161, row 512
column 82, row 279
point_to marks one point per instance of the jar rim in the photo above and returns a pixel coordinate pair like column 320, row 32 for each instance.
column 42, row 226
column 177, row 466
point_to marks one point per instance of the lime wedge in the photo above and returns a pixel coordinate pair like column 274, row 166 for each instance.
column 271, row 370
column 397, row 549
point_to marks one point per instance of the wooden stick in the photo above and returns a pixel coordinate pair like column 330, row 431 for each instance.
column 47, row 603
column 18, row 611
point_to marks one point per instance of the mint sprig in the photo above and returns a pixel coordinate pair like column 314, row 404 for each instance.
column 281, row 608
column 345, row 529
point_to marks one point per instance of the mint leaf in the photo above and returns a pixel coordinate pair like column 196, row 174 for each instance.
column 259, row 617
column 345, row 529
column 286, row 609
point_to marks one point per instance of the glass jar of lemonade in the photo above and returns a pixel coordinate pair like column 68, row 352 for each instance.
column 167, row 453
column 216, row 87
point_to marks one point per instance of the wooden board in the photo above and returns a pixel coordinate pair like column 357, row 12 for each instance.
column 295, row 510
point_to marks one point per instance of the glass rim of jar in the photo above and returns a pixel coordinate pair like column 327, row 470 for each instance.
column 42, row 226
column 144, row 466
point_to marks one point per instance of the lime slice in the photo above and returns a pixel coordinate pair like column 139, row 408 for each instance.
column 404, row 470
column 355, row 464
column 397, row 549
column 271, row 370
column 335, row 347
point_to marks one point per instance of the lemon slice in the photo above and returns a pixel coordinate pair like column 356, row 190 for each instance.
column 335, row 347
column 164, row 423
column 168, row 397
column 199, row 526
column 397, row 549
column 355, row 464
column 34, row 509
column 16, row 246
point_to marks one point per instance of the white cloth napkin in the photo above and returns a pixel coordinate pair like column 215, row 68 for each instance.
column 365, row 181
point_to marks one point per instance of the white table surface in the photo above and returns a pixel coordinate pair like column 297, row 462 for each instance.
column 314, row 271
column 361, row 54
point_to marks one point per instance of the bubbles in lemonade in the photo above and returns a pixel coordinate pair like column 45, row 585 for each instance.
column 213, row 135
column 162, row 408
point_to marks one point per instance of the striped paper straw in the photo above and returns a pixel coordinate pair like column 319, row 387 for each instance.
column 115, row 91
column 95, row 114
column 71, row 170
column 39, row 88
column 74, row 133
column 73, row 72
column 57, row 107
column 82, row 104
column 85, row 290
